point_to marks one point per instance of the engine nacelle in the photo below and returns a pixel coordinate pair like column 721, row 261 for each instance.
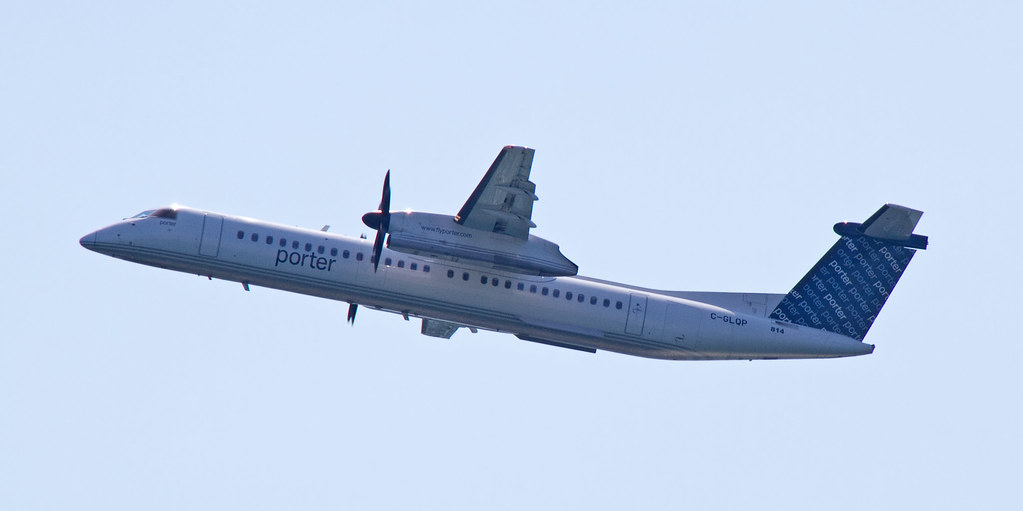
column 439, row 236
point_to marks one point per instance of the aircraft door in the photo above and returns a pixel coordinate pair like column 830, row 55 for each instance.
column 209, row 242
column 637, row 315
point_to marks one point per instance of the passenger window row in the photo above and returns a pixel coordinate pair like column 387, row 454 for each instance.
column 544, row 291
column 283, row 243
column 320, row 249
column 412, row 265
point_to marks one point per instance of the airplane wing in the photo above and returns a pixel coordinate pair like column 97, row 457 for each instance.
column 503, row 201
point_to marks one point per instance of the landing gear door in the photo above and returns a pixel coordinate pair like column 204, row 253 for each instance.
column 637, row 315
column 209, row 243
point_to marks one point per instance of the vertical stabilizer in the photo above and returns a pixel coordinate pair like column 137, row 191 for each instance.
column 846, row 289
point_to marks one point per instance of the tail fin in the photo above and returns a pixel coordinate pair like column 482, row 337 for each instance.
column 846, row 289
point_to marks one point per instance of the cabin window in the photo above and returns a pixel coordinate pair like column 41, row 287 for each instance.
column 556, row 293
column 507, row 284
column 401, row 263
column 254, row 237
column 568, row 295
column 241, row 234
column 593, row 300
column 308, row 247
column 607, row 303
column 494, row 281
column 333, row 252
column 483, row 279
column 284, row 242
column 451, row 274
column 345, row 254
column 618, row 305
column 581, row 298
column 465, row 276
column 269, row 240
column 426, row 268
column 532, row 288
column 387, row 261
column 520, row 286
column 358, row 256
column 413, row 266
column 320, row 249
column 545, row 291
column 294, row 245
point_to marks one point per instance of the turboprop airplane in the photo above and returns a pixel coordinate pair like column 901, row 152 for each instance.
column 482, row 269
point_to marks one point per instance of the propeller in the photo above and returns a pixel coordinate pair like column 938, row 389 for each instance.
column 380, row 220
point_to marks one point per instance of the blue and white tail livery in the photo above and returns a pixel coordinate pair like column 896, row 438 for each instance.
column 845, row 291
column 482, row 269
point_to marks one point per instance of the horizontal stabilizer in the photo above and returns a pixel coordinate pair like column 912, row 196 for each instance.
column 892, row 223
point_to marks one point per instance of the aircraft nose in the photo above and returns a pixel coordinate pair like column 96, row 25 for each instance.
column 89, row 241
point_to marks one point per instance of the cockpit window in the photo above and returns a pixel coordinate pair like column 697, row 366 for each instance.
column 167, row 213
column 144, row 213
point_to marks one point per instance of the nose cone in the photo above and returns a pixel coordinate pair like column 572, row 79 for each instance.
column 89, row 241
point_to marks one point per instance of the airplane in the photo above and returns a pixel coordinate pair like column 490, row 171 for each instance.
column 481, row 269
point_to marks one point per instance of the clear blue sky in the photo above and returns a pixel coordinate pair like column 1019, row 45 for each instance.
column 680, row 145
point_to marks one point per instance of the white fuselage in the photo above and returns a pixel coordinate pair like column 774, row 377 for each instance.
column 570, row 311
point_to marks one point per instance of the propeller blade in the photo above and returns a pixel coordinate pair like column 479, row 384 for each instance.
column 385, row 196
column 352, row 309
column 380, row 220
column 378, row 246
